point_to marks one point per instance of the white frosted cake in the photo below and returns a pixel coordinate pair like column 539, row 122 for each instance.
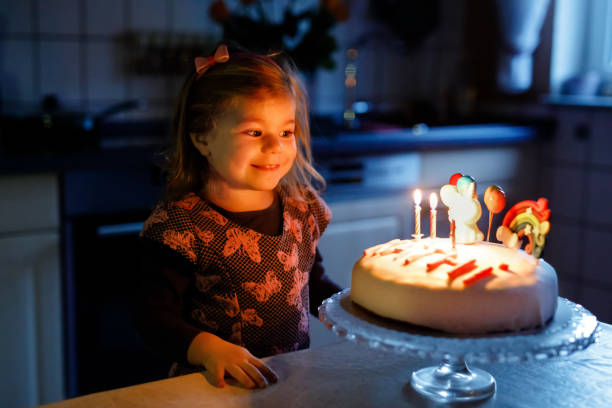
column 476, row 288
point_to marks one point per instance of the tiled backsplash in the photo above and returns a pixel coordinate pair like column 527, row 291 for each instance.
column 574, row 172
column 577, row 179
column 71, row 48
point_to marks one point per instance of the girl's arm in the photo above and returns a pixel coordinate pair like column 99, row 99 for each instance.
column 320, row 286
column 159, row 304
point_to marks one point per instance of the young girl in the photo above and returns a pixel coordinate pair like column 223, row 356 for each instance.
column 232, row 260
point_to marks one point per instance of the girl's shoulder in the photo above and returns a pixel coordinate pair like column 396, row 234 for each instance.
column 187, row 203
column 174, row 215
column 305, row 199
column 316, row 202
column 311, row 202
column 176, row 209
column 171, row 224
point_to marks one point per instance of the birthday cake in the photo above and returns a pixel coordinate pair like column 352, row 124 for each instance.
column 463, row 284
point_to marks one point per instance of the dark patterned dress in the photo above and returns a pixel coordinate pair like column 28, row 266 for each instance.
column 247, row 287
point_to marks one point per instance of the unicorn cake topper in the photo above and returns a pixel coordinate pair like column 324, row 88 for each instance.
column 463, row 208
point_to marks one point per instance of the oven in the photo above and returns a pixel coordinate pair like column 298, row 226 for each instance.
column 103, row 215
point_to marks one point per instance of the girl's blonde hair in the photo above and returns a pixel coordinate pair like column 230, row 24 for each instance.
column 203, row 99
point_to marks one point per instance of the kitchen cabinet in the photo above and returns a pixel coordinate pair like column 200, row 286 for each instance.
column 30, row 292
column 357, row 223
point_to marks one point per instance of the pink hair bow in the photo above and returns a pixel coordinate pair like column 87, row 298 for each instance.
column 203, row 63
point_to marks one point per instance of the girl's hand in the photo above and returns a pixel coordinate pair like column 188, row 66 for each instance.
column 221, row 357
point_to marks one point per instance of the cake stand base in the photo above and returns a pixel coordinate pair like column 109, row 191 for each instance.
column 453, row 381
column 572, row 329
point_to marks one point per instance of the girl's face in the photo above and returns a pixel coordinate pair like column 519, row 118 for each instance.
column 253, row 144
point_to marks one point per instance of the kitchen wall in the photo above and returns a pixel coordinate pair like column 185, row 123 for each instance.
column 577, row 178
column 574, row 172
column 72, row 48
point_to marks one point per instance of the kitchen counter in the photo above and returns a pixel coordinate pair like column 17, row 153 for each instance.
column 141, row 152
column 423, row 138
column 351, row 375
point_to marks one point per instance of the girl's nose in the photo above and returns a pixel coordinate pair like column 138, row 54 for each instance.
column 272, row 144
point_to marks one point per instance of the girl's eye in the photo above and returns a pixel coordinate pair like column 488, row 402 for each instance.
column 253, row 132
column 287, row 133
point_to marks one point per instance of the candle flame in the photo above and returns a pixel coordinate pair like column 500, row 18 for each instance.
column 417, row 196
column 433, row 201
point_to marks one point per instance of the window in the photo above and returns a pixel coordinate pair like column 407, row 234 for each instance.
column 582, row 48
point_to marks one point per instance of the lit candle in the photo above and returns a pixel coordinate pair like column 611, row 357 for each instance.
column 417, row 214
column 433, row 203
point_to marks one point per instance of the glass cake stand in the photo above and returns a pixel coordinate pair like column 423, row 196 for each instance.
column 573, row 328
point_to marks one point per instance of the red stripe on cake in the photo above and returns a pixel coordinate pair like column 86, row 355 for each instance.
column 463, row 269
column 480, row 275
column 503, row 267
column 432, row 266
column 391, row 251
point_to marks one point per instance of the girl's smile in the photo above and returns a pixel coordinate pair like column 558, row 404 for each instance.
column 267, row 167
column 251, row 148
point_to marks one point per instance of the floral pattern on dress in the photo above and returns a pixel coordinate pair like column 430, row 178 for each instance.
column 250, row 316
column 294, row 297
column 289, row 260
column 187, row 203
column 215, row 216
column 180, row 241
column 243, row 242
column 263, row 291
column 229, row 304
column 312, row 224
column 159, row 215
column 236, row 336
column 299, row 204
column 199, row 316
column 205, row 283
column 205, row 235
column 248, row 288
column 293, row 225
